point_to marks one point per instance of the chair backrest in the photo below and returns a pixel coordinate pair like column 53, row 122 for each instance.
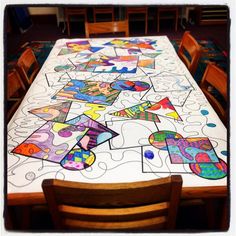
column 107, row 27
column 103, row 10
column 15, row 87
column 118, row 207
column 27, row 66
column 215, row 78
column 15, row 92
column 190, row 46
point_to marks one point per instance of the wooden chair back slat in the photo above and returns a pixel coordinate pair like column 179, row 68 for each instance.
column 103, row 10
column 107, row 27
column 15, row 92
column 27, row 66
column 215, row 78
column 15, row 87
column 98, row 205
column 190, row 45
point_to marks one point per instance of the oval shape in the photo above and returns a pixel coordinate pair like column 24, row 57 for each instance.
column 204, row 112
column 78, row 159
column 158, row 139
column 210, row 171
column 211, row 125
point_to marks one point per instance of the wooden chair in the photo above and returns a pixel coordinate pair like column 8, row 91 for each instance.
column 189, row 52
column 133, row 206
column 107, row 27
column 72, row 11
column 215, row 78
column 138, row 10
column 27, row 66
column 15, row 92
column 166, row 10
column 103, row 10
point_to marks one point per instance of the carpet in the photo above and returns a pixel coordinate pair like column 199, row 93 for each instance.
column 211, row 52
column 41, row 50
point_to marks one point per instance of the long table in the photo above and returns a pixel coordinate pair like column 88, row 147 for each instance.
column 115, row 110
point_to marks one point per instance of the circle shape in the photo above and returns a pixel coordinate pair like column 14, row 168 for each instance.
column 141, row 86
column 123, row 85
column 78, row 159
column 30, row 175
column 149, row 154
column 158, row 139
column 210, row 171
column 136, row 86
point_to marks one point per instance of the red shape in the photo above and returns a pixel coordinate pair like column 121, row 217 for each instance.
column 202, row 157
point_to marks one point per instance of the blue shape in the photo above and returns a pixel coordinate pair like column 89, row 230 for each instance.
column 95, row 49
column 212, row 125
column 103, row 137
column 149, row 154
column 204, row 112
column 224, row 153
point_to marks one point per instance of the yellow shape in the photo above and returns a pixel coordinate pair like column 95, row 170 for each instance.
column 46, row 150
column 45, row 157
column 58, row 152
column 93, row 112
column 173, row 114
column 90, row 160
column 58, row 126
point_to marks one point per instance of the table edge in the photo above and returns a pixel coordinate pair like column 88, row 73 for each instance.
column 16, row 199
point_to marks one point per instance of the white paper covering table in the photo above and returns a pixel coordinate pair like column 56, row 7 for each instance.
column 174, row 131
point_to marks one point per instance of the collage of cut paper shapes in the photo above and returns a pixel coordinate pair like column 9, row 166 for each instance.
column 70, row 142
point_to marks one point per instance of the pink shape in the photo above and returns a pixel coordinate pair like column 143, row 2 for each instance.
column 202, row 157
column 84, row 142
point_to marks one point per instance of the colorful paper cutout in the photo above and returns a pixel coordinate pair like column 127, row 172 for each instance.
column 57, row 112
column 94, row 109
column 79, row 46
column 137, row 112
column 96, row 134
column 51, row 142
column 63, row 68
column 212, row 171
column 65, row 51
column 191, row 150
column 78, row 159
column 158, row 139
column 118, row 64
column 130, row 85
column 132, row 43
column 97, row 92
column 147, row 63
column 165, row 108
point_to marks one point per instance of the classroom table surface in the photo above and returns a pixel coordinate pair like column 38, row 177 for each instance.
column 109, row 110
